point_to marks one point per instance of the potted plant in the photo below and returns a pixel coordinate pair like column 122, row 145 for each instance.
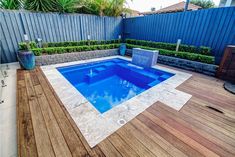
column 122, row 49
column 25, row 55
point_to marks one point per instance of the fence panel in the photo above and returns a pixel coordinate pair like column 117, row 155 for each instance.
column 52, row 27
column 211, row 27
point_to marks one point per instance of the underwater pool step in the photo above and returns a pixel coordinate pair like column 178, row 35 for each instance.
column 97, row 75
column 99, row 69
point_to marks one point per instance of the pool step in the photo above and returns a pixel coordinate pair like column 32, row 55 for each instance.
column 99, row 69
column 98, row 74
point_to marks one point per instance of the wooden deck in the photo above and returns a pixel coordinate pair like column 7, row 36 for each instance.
column 205, row 126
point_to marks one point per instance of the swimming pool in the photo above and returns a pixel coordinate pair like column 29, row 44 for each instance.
column 108, row 83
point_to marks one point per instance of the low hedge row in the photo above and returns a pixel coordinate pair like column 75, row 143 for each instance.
column 69, row 49
column 169, row 46
column 80, row 43
column 32, row 45
column 179, row 54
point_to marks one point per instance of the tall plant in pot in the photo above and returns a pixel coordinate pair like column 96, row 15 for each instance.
column 25, row 55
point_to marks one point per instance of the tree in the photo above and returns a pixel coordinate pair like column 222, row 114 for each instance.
column 205, row 4
column 97, row 7
column 66, row 6
column 102, row 7
column 10, row 4
column 116, row 8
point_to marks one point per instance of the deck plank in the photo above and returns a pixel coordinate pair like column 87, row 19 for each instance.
column 57, row 140
column 201, row 129
column 73, row 141
column 145, row 140
column 45, row 128
column 134, row 143
column 122, row 146
column 26, row 140
column 187, row 130
column 176, row 142
column 109, row 149
column 212, row 122
column 43, row 143
column 163, row 143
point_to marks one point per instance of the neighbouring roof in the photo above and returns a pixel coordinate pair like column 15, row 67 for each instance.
column 131, row 12
column 173, row 8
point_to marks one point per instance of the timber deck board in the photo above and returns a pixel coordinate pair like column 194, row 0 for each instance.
column 45, row 128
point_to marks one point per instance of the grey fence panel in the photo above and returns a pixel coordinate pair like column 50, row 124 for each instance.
column 52, row 27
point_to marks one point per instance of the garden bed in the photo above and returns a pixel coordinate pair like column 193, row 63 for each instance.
column 178, row 54
column 208, row 69
column 60, row 52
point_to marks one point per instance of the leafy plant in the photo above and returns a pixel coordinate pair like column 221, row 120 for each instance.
column 27, row 46
column 10, row 4
column 66, row 6
column 40, row 5
column 205, row 4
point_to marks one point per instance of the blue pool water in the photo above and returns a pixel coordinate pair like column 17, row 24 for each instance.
column 108, row 83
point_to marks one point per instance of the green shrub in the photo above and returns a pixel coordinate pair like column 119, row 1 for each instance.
column 79, row 43
column 44, row 45
column 32, row 44
column 37, row 51
column 115, row 41
column 188, row 48
column 69, row 49
column 205, row 50
column 179, row 54
column 101, row 42
column 94, row 42
column 108, row 42
column 170, row 46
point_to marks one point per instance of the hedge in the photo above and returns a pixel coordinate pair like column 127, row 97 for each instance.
column 23, row 45
column 80, row 43
column 179, row 54
column 169, row 46
column 69, row 49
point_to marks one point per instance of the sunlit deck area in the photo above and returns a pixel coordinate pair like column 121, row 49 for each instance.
column 205, row 126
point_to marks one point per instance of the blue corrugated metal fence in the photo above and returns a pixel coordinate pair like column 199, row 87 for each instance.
column 211, row 27
column 53, row 27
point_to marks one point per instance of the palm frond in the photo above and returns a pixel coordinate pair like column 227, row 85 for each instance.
column 10, row 4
